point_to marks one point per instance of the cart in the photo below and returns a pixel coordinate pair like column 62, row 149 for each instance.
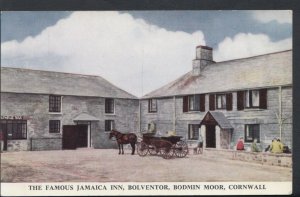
column 167, row 147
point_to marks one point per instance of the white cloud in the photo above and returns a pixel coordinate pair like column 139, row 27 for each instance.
column 110, row 44
column 247, row 45
column 281, row 16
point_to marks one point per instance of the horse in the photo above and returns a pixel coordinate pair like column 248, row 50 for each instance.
column 128, row 138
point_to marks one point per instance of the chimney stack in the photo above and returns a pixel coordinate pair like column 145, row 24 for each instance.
column 204, row 57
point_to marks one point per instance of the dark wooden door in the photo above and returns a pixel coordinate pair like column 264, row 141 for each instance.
column 69, row 137
column 74, row 136
column 82, row 135
column 210, row 136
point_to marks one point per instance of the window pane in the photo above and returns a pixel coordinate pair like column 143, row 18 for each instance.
column 191, row 103
column 109, row 125
column 252, row 132
column 255, row 98
column 194, row 103
column 109, row 105
column 54, row 103
column 256, row 132
column 197, row 103
column 219, row 102
column 247, row 100
column 223, row 101
column 153, row 105
column 193, row 132
column 54, row 126
column 16, row 129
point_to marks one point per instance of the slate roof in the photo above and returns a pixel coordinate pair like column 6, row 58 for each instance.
column 261, row 71
column 220, row 118
column 19, row 80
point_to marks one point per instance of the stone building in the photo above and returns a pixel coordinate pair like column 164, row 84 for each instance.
column 223, row 101
column 216, row 101
column 37, row 105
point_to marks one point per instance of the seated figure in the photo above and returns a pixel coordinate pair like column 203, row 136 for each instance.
column 240, row 144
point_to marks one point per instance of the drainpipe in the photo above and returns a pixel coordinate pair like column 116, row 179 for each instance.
column 174, row 115
column 280, row 111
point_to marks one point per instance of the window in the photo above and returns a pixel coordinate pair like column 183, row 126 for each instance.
column 109, row 106
column 15, row 129
column 54, row 126
column 252, row 98
column 194, row 103
column 54, row 103
column 221, row 101
column 252, row 132
column 152, row 105
column 193, row 131
column 109, row 125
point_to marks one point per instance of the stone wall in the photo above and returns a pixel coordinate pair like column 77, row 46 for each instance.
column 36, row 108
column 45, row 144
column 269, row 128
column 264, row 158
column 18, row 145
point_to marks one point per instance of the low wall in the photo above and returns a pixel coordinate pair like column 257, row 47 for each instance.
column 45, row 144
column 17, row 145
column 265, row 158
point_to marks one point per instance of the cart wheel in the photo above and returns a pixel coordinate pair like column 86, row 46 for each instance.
column 181, row 149
column 142, row 149
column 167, row 151
column 153, row 150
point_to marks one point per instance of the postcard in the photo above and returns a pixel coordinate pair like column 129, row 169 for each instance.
column 146, row 102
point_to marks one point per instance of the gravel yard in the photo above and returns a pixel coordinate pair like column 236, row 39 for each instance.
column 105, row 165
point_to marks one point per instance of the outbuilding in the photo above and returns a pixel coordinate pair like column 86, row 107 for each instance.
column 43, row 110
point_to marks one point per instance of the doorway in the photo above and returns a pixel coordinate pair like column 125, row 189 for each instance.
column 210, row 136
column 89, row 131
column 74, row 136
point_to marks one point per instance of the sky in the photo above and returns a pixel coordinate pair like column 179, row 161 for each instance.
column 139, row 51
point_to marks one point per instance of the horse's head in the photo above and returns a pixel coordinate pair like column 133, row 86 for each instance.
column 112, row 133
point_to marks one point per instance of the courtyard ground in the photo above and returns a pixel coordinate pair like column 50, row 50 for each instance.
column 105, row 165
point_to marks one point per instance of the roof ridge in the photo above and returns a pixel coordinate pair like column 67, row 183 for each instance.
column 254, row 56
column 86, row 76
column 49, row 71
